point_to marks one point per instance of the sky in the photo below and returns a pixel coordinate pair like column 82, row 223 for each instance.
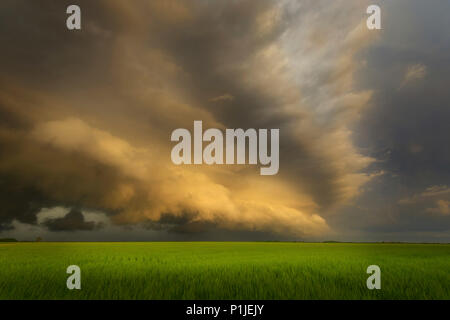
column 86, row 118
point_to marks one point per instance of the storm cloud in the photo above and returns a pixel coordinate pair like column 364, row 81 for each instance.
column 72, row 221
column 86, row 116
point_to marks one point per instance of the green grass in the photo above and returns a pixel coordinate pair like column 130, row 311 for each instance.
column 223, row 270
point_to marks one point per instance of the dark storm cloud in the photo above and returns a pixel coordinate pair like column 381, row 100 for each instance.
column 72, row 221
column 18, row 203
column 407, row 128
column 38, row 49
column 410, row 119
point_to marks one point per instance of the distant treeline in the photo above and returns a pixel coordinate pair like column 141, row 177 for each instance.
column 8, row 240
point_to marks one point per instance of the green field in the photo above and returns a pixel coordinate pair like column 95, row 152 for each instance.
column 223, row 270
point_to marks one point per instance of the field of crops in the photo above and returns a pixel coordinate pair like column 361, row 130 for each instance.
column 223, row 270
